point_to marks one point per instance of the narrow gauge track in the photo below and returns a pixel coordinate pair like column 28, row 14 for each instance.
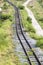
column 18, row 27
column 19, row 30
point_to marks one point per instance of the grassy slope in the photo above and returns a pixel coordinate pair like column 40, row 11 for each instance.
column 7, row 54
column 18, row 2
column 38, row 11
column 38, row 14
column 28, row 26
column 27, row 23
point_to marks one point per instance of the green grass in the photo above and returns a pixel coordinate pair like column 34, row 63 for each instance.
column 26, row 23
column 35, row 36
column 18, row 2
column 7, row 54
column 30, row 53
column 37, row 11
column 40, row 2
column 40, row 43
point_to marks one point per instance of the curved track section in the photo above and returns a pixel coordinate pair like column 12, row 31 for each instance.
column 19, row 29
column 20, row 35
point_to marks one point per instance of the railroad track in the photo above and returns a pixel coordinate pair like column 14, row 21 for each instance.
column 20, row 33
column 23, row 41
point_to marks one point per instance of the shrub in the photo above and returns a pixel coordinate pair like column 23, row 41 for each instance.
column 41, row 19
column 5, row 6
column 30, row 28
column 40, row 43
column 21, row 7
column 35, row 36
column 4, row 16
column 11, row 18
column 29, row 19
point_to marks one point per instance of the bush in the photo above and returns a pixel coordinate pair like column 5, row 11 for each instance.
column 21, row 7
column 35, row 36
column 5, row 6
column 41, row 19
column 11, row 18
column 1, row 23
column 40, row 43
column 29, row 19
column 30, row 28
column 4, row 16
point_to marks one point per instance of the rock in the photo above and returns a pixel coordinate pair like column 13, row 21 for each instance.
column 0, row 9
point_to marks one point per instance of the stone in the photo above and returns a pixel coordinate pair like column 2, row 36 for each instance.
column 0, row 9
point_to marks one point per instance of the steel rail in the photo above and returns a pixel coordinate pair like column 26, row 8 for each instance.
column 28, row 42
column 22, row 44
column 18, row 15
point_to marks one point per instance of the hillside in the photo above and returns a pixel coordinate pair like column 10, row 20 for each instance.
column 29, row 14
column 7, row 54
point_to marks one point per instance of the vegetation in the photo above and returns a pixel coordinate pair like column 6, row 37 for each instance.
column 18, row 2
column 5, row 6
column 26, row 21
column 21, row 7
column 7, row 54
column 41, row 2
column 37, row 11
column 4, row 16
column 27, row 24
column 30, row 53
column 40, row 43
